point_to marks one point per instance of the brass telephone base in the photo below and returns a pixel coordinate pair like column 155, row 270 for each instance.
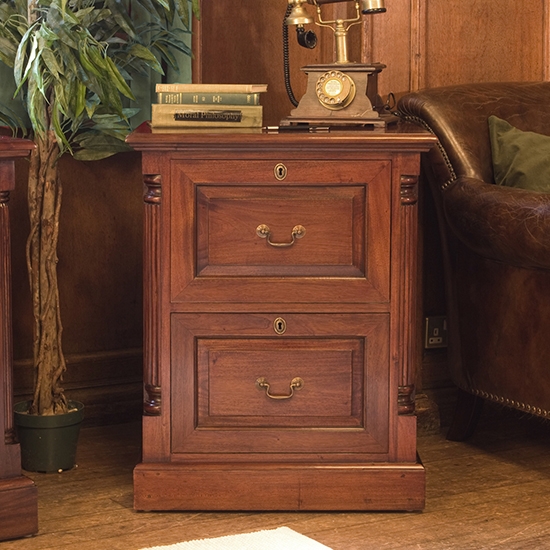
column 340, row 94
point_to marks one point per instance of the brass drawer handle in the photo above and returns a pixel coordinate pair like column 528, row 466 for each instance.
column 263, row 231
column 296, row 384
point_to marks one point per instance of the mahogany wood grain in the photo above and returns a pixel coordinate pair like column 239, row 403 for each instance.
column 342, row 360
column 18, row 497
column 484, row 41
column 227, row 217
column 280, row 487
column 343, row 256
column 217, row 295
column 18, row 507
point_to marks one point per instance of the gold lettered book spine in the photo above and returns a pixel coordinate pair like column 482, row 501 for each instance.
column 225, row 116
column 187, row 98
column 212, row 88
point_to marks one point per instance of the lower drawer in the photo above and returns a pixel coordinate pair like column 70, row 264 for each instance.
column 277, row 383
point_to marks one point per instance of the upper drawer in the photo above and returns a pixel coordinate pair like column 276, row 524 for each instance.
column 322, row 233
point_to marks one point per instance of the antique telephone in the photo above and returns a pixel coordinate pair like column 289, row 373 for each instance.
column 342, row 93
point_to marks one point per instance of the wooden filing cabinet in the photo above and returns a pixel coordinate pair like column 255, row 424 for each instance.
column 280, row 321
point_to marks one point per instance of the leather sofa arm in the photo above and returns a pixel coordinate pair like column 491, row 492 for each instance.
column 501, row 223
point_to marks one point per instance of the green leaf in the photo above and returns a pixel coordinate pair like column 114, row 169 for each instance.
column 8, row 50
column 182, row 7
column 165, row 4
column 11, row 119
column 121, row 85
column 59, row 133
column 50, row 60
column 167, row 56
column 96, row 145
column 37, row 109
column 107, row 119
column 149, row 6
column 90, row 108
column 86, row 61
column 62, row 94
column 141, row 52
column 20, row 58
column 86, row 16
column 121, row 16
column 48, row 34
column 79, row 98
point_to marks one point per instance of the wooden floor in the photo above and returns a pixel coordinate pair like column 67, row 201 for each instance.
column 492, row 492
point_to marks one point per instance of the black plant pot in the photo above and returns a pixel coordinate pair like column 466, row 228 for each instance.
column 48, row 443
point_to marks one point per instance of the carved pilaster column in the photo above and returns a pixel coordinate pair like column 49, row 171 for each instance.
column 151, row 279
column 408, row 288
column 5, row 311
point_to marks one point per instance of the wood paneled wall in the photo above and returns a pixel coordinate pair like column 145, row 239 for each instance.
column 424, row 43
column 430, row 43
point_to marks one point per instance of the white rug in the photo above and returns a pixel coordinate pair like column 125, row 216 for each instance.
column 282, row 538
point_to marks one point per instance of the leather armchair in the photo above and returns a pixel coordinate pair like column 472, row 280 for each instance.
column 496, row 248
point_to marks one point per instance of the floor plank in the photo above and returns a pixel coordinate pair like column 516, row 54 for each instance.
column 491, row 492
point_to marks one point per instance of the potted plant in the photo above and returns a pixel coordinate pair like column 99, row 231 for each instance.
column 73, row 62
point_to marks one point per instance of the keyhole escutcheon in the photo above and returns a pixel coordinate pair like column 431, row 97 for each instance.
column 280, row 171
column 279, row 325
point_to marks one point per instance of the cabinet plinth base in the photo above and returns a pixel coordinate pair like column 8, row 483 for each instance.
column 289, row 487
column 18, row 508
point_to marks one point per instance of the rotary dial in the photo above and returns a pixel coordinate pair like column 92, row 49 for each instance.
column 335, row 90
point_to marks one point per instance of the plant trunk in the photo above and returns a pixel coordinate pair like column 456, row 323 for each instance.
column 44, row 201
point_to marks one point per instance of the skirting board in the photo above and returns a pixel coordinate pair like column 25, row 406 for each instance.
column 291, row 487
column 109, row 383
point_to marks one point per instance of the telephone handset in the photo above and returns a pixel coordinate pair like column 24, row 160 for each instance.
column 342, row 93
column 306, row 39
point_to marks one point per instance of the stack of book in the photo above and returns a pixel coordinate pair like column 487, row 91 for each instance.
column 208, row 106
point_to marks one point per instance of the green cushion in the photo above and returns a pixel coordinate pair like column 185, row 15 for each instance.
column 520, row 159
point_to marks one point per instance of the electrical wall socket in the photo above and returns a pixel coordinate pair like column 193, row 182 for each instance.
column 436, row 332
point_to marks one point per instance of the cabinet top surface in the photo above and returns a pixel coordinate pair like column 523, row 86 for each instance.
column 401, row 136
column 14, row 147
